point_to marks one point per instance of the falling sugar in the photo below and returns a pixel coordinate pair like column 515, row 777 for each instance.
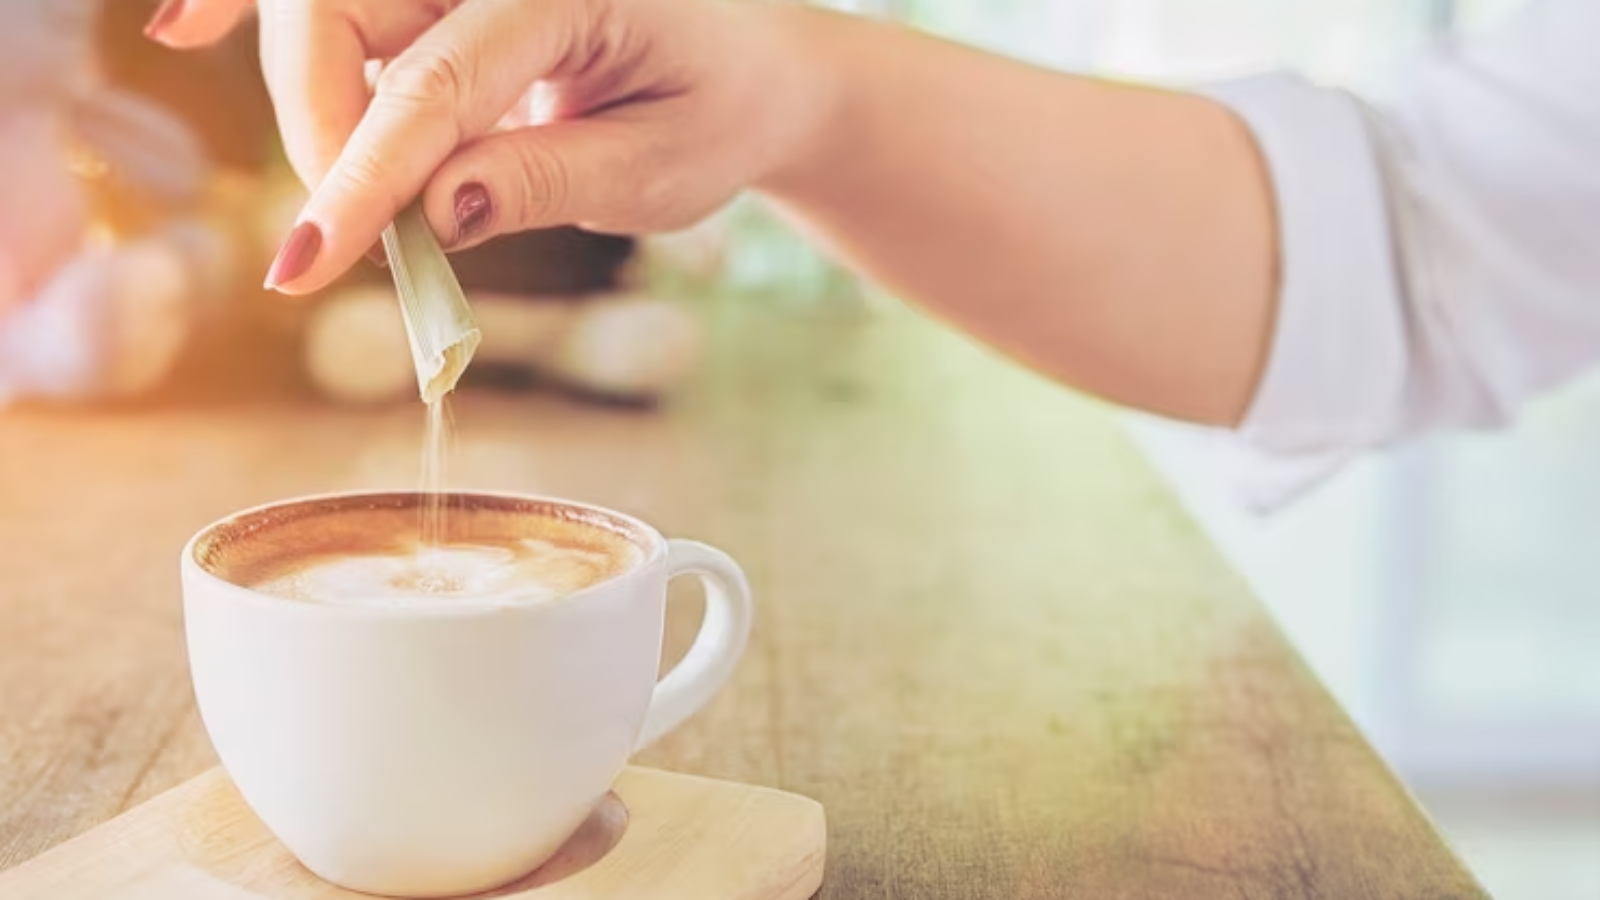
column 433, row 525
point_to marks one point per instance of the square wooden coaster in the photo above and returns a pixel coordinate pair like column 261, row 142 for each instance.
column 658, row 835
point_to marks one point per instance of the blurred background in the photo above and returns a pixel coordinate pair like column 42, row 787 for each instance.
column 1446, row 593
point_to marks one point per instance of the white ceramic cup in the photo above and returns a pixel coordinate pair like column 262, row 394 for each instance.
column 448, row 749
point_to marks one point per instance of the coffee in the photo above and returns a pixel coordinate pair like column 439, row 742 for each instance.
column 365, row 551
column 527, row 571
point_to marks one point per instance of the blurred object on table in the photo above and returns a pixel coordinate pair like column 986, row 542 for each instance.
column 749, row 250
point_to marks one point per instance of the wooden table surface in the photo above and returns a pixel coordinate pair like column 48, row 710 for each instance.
column 988, row 639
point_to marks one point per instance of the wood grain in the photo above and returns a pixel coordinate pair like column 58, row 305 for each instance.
column 658, row 835
column 987, row 639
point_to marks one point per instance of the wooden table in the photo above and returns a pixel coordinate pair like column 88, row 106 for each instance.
column 988, row 640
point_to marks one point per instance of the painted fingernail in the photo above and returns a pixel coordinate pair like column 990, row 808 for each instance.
column 168, row 13
column 299, row 249
column 377, row 256
column 472, row 209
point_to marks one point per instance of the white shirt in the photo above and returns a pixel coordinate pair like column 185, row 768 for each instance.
column 1440, row 247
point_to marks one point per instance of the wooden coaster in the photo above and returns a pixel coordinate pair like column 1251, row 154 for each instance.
column 658, row 835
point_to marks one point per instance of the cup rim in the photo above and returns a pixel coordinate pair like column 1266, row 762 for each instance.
column 192, row 567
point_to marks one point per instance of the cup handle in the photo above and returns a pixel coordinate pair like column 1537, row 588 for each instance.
column 724, row 632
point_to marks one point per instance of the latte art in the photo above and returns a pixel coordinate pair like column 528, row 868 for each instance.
column 528, row 571
column 364, row 550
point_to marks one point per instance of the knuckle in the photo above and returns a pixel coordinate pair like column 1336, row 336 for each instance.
column 364, row 175
column 428, row 80
column 544, row 188
column 362, row 172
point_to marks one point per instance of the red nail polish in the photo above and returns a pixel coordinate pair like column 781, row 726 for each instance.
column 299, row 249
column 473, row 209
column 168, row 13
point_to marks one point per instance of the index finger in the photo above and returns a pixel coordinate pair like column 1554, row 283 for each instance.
column 313, row 59
column 448, row 87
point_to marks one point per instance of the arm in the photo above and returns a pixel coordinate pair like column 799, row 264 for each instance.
column 1418, row 264
column 1114, row 237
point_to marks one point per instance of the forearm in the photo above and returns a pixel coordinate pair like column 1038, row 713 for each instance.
column 1120, row 239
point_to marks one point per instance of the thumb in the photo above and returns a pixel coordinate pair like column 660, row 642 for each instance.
column 588, row 172
column 193, row 23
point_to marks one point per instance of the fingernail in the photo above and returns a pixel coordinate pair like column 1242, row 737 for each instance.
column 472, row 209
column 299, row 249
column 168, row 13
column 377, row 257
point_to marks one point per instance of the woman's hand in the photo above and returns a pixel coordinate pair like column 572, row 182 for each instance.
column 627, row 116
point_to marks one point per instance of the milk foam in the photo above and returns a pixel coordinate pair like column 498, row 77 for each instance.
column 529, row 570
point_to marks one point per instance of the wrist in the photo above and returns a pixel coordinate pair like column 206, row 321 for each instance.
column 807, row 96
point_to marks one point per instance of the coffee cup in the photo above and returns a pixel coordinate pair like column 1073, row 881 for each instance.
column 419, row 746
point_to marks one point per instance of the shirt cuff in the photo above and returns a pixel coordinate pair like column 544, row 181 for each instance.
column 1334, row 381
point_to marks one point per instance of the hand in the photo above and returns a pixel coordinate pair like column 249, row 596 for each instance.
column 626, row 116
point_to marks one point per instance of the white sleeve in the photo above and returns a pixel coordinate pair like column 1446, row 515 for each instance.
column 1440, row 249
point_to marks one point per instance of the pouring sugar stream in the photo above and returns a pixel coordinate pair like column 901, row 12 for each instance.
column 443, row 336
